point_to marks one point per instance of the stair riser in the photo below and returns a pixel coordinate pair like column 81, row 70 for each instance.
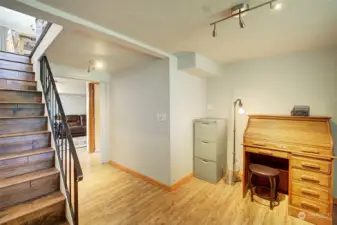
column 24, row 143
column 17, row 85
column 14, row 57
column 26, row 164
column 16, row 66
column 20, row 96
column 29, row 190
column 21, row 110
column 9, row 126
column 9, row 74
column 47, row 216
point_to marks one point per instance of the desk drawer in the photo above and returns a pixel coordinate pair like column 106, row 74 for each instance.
column 311, row 164
column 205, row 149
column 267, row 152
column 309, row 177
column 311, row 150
column 310, row 205
column 310, row 191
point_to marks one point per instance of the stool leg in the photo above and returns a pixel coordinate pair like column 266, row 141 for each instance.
column 272, row 191
column 250, row 175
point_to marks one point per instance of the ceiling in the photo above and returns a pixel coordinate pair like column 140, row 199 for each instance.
column 177, row 25
column 88, row 45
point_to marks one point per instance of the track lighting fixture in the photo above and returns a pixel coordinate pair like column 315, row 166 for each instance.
column 242, row 9
column 214, row 31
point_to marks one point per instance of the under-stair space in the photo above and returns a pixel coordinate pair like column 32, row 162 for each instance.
column 29, row 182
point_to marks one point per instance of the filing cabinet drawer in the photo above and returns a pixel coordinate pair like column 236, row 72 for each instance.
column 310, row 191
column 205, row 149
column 310, row 177
column 311, row 164
column 267, row 152
column 206, row 131
column 310, row 205
column 207, row 170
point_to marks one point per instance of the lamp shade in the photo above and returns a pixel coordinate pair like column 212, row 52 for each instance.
column 241, row 110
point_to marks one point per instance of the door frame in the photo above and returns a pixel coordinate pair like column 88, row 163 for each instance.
column 91, row 117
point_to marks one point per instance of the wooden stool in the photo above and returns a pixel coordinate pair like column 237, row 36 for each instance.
column 264, row 171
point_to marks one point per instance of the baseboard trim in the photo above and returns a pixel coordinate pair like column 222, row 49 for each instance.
column 151, row 180
column 181, row 182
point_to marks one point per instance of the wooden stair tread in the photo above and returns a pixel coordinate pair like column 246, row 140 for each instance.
column 25, row 153
column 21, row 117
column 7, row 182
column 31, row 81
column 14, row 61
column 24, row 133
column 6, row 89
column 4, row 68
column 29, row 207
column 13, row 53
column 19, row 102
column 64, row 223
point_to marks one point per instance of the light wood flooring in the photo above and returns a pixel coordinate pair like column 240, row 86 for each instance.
column 110, row 196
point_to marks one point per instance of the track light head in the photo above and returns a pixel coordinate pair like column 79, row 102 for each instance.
column 214, row 31
column 275, row 5
column 242, row 24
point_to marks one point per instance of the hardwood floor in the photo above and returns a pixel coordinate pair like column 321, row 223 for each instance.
column 110, row 196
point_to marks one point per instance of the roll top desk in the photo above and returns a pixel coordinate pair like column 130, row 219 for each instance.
column 302, row 149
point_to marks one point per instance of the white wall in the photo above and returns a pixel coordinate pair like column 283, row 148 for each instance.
column 274, row 86
column 139, row 141
column 17, row 21
column 73, row 95
column 187, row 102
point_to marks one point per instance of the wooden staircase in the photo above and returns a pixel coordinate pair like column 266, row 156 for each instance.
column 29, row 182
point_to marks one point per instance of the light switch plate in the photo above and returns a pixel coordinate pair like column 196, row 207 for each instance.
column 161, row 117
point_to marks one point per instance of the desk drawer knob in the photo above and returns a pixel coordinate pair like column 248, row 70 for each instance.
column 307, row 178
column 310, row 192
column 309, row 205
column 310, row 166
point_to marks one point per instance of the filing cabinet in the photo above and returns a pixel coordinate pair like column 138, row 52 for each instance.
column 210, row 155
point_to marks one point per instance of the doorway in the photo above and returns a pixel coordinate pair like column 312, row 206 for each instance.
column 94, row 117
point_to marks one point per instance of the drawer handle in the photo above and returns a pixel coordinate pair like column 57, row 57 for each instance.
column 204, row 142
column 311, row 166
column 307, row 178
column 265, row 152
column 310, row 192
column 283, row 146
column 256, row 144
column 309, row 151
column 204, row 161
column 309, row 205
column 204, row 123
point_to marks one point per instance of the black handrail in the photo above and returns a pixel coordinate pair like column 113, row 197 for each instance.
column 70, row 167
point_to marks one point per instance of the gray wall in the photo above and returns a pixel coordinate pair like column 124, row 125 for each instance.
column 139, row 141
